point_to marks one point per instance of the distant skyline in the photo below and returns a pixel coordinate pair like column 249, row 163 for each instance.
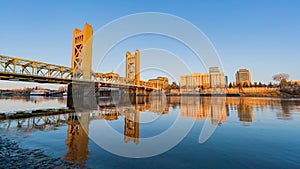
column 262, row 36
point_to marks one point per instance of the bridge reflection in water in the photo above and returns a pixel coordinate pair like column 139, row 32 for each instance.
column 217, row 110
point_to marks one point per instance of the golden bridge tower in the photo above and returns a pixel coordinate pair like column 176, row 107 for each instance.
column 133, row 66
column 82, row 52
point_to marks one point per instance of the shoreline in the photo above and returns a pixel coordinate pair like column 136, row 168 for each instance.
column 263, row 95
column 34, row 113
column 12, row 155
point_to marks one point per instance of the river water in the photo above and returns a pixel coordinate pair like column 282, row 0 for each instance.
column 172, row 132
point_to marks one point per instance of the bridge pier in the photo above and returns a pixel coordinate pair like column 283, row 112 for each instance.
column 85, row 95
column 82, row 95
column 140, row 91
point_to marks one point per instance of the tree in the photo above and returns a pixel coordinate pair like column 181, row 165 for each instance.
column 283, row 83
column 282, row 79
column 251, row 85
column 281, row 76
column 260, row 84
column 230, row 85
column 270, row 84
column 174, row 85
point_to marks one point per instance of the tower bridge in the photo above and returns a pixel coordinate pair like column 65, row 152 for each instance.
column 80, row 73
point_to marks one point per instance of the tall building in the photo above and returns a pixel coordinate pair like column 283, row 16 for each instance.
column 243, row 77
column 226, row 80
column 206, row 81
column 133, row 66
column 217, row 78
column 183, row 82
column 214, row 70
column 195, row 80
column 190, row 82
column 82, row 52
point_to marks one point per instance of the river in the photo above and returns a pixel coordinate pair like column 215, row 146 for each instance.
column 156, row 132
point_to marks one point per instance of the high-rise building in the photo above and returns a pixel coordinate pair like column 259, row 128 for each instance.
column 133, row 66
column 214, row 70
column 195, row 81
column 82, row 52
column 226, row 80
column 217, row 78
column 206, row 81
column 243, row 77
column 190, row 83
column 183, row 81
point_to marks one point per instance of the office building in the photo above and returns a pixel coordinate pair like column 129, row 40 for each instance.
column 243, row 77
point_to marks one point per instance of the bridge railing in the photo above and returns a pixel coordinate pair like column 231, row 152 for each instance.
column 17, row 66
column 100, row 77
column 33, row 68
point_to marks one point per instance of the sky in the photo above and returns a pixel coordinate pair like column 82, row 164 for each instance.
column 260, row 35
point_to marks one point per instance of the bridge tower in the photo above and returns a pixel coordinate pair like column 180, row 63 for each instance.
column 133, row 66
column 82, row 52
column 81, row 65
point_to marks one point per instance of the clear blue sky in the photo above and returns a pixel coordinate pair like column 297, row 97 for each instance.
column 261, row 35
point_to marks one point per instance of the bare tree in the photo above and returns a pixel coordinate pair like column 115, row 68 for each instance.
column 280, row 77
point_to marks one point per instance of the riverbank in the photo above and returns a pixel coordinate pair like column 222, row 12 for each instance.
column 12, row 155
column 271, row 95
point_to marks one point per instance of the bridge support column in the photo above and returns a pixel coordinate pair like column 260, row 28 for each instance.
column 81, row 96
column 147, row 92
column 132, row 91
column 140, row 91
column 70, row 103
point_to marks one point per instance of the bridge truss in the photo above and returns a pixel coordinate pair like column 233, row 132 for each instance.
column 23, row 69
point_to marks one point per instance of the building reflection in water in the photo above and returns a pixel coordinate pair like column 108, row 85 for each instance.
column 217, row 109
column 285, row 113
column 213, row 108
column 245, row 111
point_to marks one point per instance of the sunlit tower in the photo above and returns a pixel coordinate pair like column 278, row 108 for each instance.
column 82, row 52
column 133, row 66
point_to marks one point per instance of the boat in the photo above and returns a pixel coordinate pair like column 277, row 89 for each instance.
column 39, row 93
